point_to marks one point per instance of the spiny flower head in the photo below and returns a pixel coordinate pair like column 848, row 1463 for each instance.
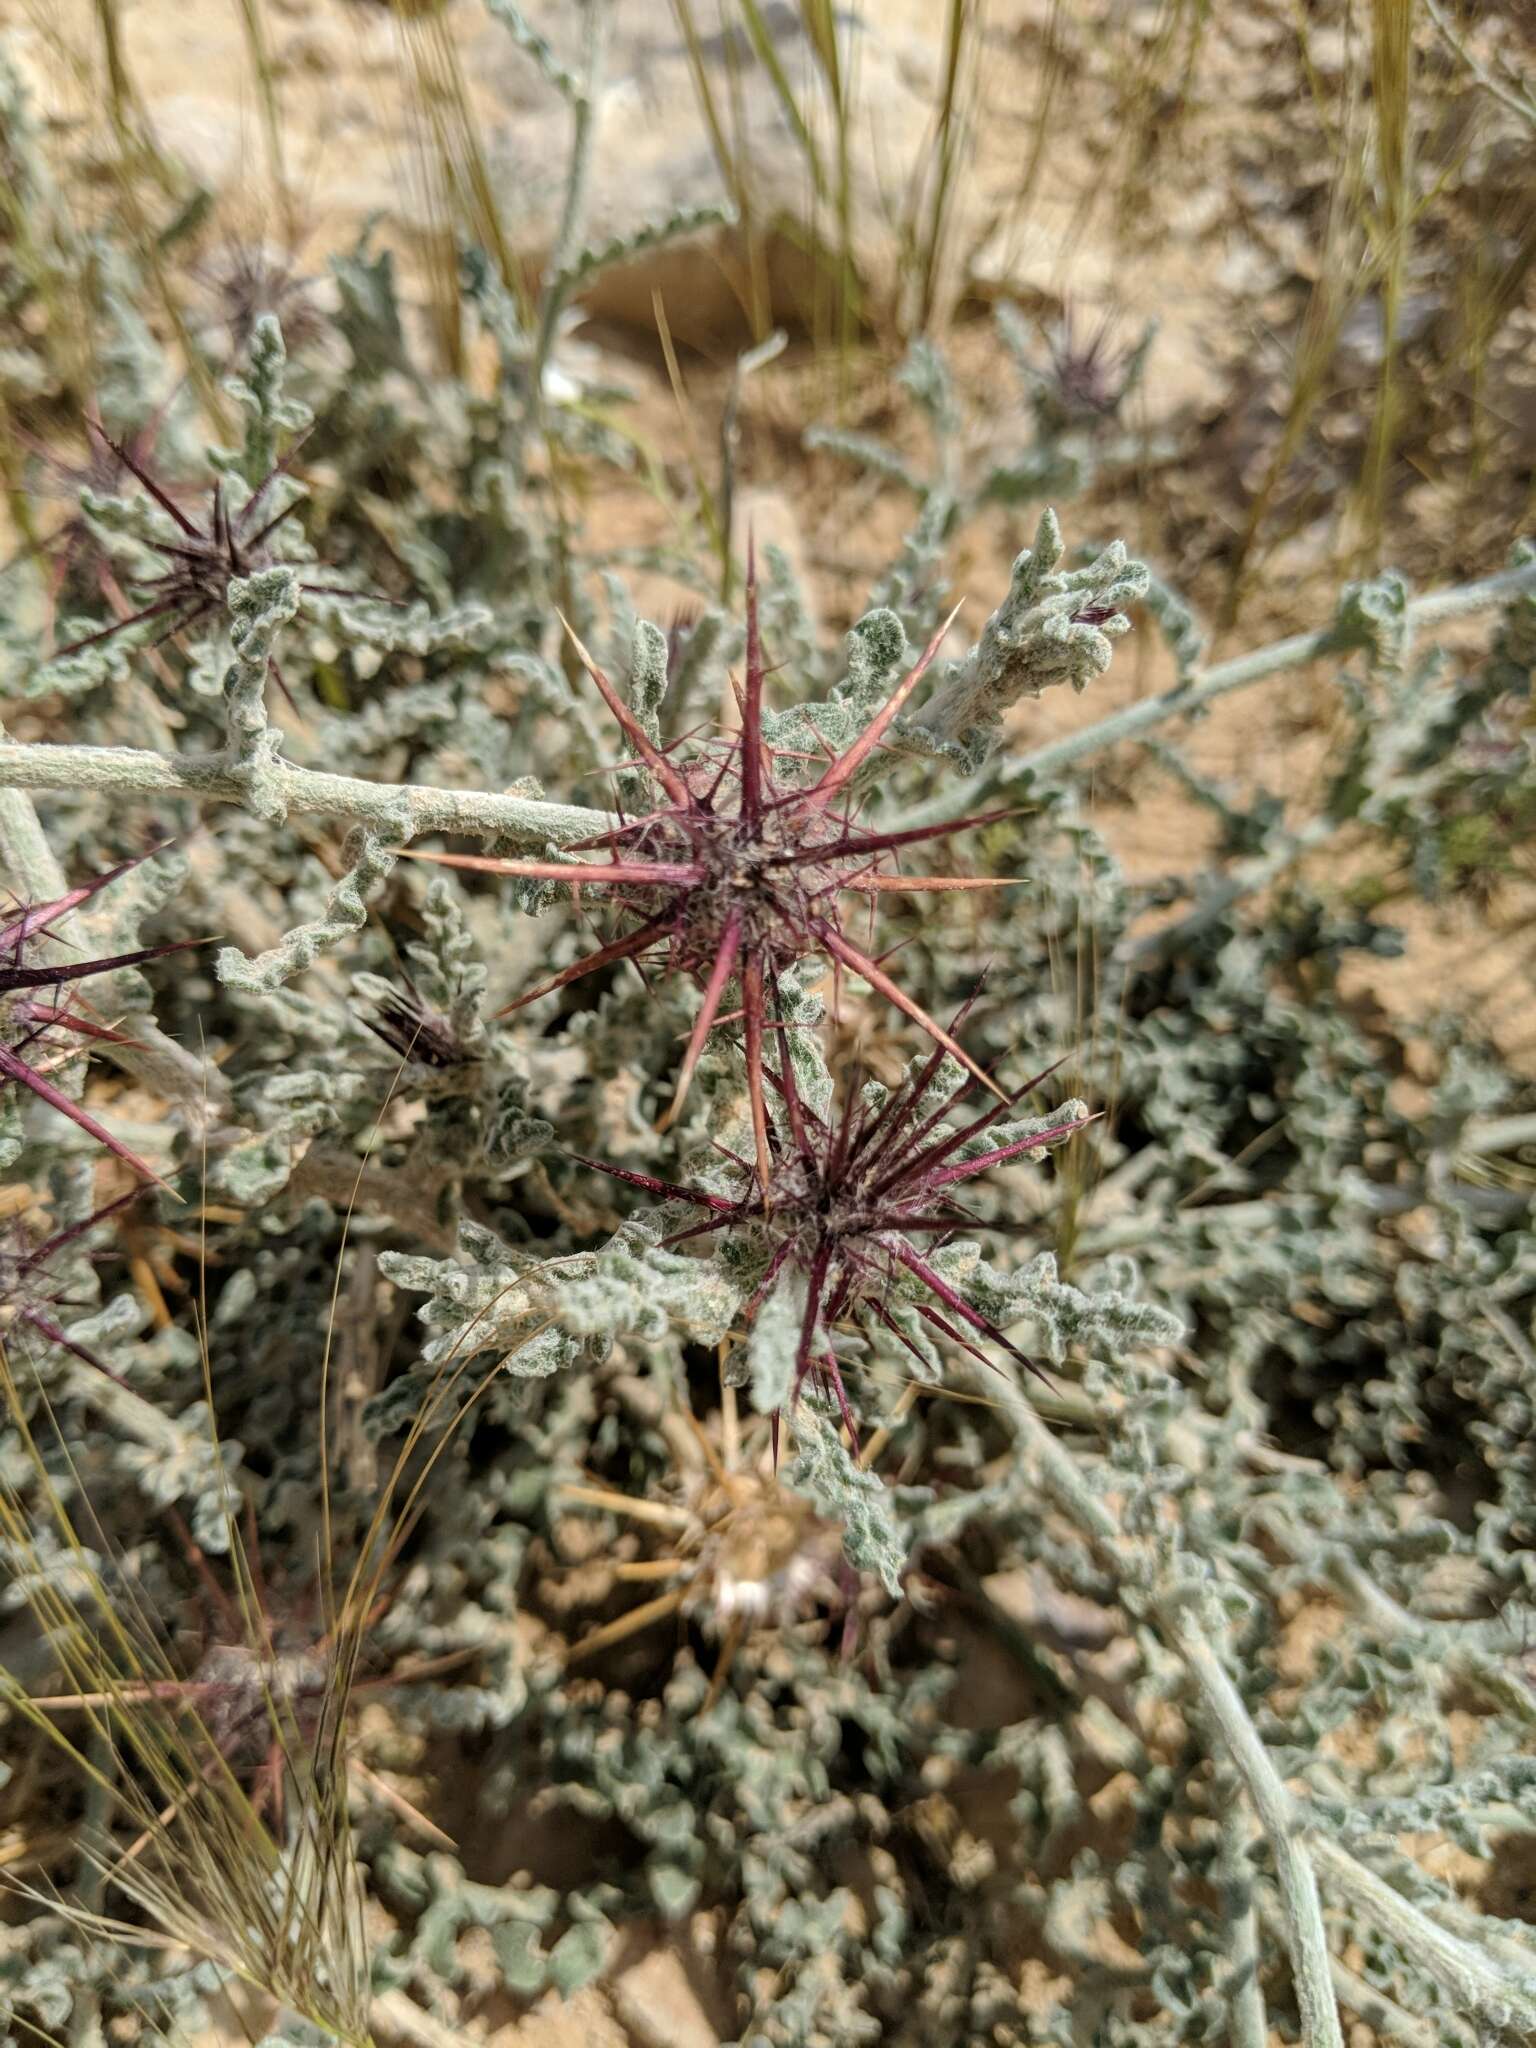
column 844, row 1199
column 106, row 468
column 740, row 872
column 1090, row 374
column 38, row 1009
column 208, row 554
column 741, row 1548
column 408, row 1025
column 248, row 278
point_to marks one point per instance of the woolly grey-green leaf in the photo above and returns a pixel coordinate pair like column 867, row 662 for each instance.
column 370, row 861
column 618, row 249
column 772, row 1343
column 825, row 1471
column 1054, row 626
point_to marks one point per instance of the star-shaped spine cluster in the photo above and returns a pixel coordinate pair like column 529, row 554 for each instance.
column 741, row 871
column 208, row 554
column 847, row 1194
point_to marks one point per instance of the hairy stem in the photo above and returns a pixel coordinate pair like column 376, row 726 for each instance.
column 413, row 810
column 1248, row 2022
column 557, row 282
column 1474, row 1981
column 1306, row 1936
column 1207, row 684
column 1181, row 1628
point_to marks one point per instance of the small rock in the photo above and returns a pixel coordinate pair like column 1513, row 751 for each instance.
column 660, row 2008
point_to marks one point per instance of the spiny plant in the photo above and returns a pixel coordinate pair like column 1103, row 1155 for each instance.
column 208, row 555
column 28, row 1291
column 233, row 1777
column 1174, row 1665
column 40, row 1015
column 835, row 1216
column 737, row 875
column 743, row 1548
column 245, row 277
column 1089, row 373
column 74, row 550
column 263, row 1686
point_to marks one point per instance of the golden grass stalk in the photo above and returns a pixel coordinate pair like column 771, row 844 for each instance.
column 1389, row 222
column 729, row 141
column 142, row 180
column 748, row 44
column 450, row 169
column 253, row 25
column 275, row 1903
column 205, row 1869
column 937, row 176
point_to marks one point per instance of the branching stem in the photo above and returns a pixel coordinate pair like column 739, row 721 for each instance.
column 1205, row 685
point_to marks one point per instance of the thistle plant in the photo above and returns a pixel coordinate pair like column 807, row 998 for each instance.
column 246, row 277
column 1144, row 1695
column 1088, row 373
column 205, row 557
column 41, row 1015
column 741, row 1547
column 831, row 1224
column 74, row 550
column 271, row 1902
column 28, row 1290
column 736, row 875
column 257, row 1703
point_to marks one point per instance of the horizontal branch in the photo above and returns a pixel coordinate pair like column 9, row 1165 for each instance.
column 406, row 809
column 409, row 811
column 1205, row 685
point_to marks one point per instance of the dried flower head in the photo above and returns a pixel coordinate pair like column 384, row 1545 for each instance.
column 251, row 277
column 408, row 1025
column 742, row 1550
column 845, row 1197
column 1090, row 374
column 739, row 874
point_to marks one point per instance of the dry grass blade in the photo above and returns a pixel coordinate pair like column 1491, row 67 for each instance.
column 728, row 140
column 259, row 1880
column 205, row 1868
column 449, row 172
column 253, row 24
column 749, row 41
column 142, row 181
column 940, row 168
column 1341, row 280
